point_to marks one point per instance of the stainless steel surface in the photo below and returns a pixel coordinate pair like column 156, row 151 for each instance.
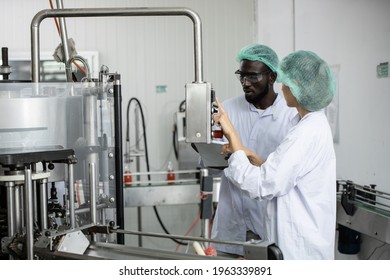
column 43, row 121
column 198, row 113
column 161, row 195
column 364, row 209
column 367, row 220
column 22, row 114
column 123, row 12
column 74, row 242
column 61, row 111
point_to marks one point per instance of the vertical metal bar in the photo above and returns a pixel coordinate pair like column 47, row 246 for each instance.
column 91, row 127
column 64, row 40
column 92, row 194
column 35, row 192
column 43, row 204
column 11, row 208
column 120, row 213
column 71, row 195
column 29, row 213
column 138, row 169
column 205, row 224
column 18, row 209
column 92, row 191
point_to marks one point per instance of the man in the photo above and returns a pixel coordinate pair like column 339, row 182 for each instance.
column 262, row 119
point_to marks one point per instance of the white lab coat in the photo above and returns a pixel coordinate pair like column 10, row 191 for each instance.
column 299, row 180
column 262, row 132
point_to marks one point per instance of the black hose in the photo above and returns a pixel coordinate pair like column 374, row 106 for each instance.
column 175, row 144
column 181, row 109
column 147, row 160
column 175, row 148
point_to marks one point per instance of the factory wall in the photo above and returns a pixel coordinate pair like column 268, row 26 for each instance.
column 353, row 37
column 154, row 56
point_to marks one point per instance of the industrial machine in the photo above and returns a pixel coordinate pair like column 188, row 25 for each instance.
column 62, row 194
column 361, row 210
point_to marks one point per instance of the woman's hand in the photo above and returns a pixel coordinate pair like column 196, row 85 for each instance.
column 222, row 119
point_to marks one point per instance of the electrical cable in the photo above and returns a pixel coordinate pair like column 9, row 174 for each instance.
column 190, row 229
column 147, row 159
column 175, row 144
column 181, row 109
column 175, row 149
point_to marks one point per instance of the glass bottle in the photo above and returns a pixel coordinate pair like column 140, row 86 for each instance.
column 127, row 178
column 170, row 174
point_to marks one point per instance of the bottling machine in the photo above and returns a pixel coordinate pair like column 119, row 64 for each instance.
column 61, row 160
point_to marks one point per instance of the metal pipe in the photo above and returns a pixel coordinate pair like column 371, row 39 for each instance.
column 164, row 182
column 68, row 67
column 11, row 208
column 178, row 237
column 35, row 193
column 122, row 12
column 205, row 223
column 100, row 206
column 195, row 171
column 92, row 192
column 43, row 204
column 18, row 209
column 29, row 213
column 64, row 40
column 71, row 195
column 376, row 193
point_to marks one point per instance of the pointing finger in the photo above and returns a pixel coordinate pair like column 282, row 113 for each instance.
column 221, row 110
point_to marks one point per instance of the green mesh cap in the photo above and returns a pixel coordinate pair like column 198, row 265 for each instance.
column 256, row 52
column 309, row 79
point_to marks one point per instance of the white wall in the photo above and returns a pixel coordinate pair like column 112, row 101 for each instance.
column 354, row 35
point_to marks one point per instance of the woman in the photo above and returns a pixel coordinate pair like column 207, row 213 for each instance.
column 299, row 178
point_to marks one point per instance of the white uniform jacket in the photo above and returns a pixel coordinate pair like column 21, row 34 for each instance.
column 261, row 131
column 299, row 181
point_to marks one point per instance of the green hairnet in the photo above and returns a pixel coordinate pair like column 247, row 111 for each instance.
column 309, row 79
column 256, row 52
